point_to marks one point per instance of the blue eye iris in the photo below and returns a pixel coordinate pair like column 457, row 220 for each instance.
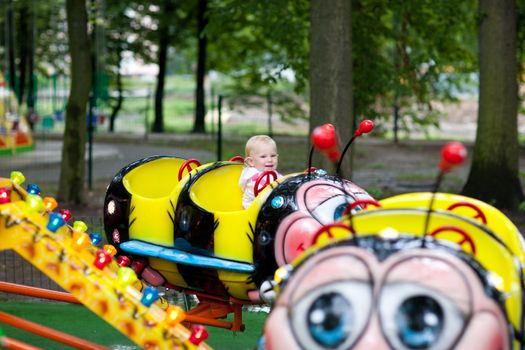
column 420, row 321
column 338, row 212
column 329, row 320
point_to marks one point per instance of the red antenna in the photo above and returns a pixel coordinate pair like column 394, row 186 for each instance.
column 324, row 138
column 453, row 154
column 365, row 127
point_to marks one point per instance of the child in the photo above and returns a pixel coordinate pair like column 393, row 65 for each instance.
column 261, row 154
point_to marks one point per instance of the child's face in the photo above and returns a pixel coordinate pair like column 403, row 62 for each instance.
column 263, row 157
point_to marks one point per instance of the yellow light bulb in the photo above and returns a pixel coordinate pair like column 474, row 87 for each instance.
column 126, row 276
column 17, row 177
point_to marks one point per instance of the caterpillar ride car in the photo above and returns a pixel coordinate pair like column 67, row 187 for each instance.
column 182, row 225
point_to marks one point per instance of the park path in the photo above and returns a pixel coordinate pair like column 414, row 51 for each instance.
column 43, row 163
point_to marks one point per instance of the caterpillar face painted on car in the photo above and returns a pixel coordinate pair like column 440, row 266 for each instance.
column 387, row 278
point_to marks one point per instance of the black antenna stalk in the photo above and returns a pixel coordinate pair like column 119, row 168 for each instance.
column 453, row 154
column 365, row 127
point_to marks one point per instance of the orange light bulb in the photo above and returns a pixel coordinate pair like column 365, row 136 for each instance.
column 50, row 203
column 112, row 251
column 174, row 315
column 81, row 240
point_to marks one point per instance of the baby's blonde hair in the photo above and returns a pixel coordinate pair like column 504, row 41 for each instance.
column 257, row 140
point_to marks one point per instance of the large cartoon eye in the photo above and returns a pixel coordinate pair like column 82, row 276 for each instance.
column 332, row 316
column 332, row 209
column 415, row 317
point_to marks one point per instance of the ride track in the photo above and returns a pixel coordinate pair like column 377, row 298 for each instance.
column 65, row 257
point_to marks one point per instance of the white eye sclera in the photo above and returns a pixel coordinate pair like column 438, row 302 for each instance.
column 332, row 316
column 416, row 317
column 332, row 209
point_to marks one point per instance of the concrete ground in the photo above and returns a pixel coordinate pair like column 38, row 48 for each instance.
column 43, row 163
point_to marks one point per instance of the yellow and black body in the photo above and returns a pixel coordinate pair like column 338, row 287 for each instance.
column 195, row 233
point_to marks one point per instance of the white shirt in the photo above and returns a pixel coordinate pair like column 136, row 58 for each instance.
column 249, row 176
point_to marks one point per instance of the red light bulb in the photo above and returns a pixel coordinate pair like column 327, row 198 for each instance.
column 138, row 265
column 198, row 334
column 66, row 214
column 102, row 259
column 123, row 261
column 5, row 195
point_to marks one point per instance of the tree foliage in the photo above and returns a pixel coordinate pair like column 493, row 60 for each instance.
column 406, row 54
column 38, row 45
column 260, row 46
column 409, row 54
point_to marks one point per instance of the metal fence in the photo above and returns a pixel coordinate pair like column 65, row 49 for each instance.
column 15, row 269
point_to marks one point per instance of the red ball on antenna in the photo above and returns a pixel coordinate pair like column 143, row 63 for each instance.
column 364, row 127
column 324, row 138
column 452, row 154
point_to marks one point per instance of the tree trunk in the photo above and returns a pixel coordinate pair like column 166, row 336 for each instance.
column 120, row 97
column 331, row 72
column 200, row 105
column 72, row 171
column 494, row 171
column 164, row 40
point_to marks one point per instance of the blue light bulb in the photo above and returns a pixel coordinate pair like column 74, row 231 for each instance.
column 95, row 238
column 150, row 296
column 55, row 222
column 33, row 189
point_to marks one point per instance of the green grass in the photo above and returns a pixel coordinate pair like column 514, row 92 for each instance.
column 178, row 106
column 377, row 166
column 224, row 339
column 174, row 83
column 81, row 322
column 72, row 319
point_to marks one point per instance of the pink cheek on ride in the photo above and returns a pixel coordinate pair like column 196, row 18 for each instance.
column 294, row 235
column 277, row 332
column 485, row 332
